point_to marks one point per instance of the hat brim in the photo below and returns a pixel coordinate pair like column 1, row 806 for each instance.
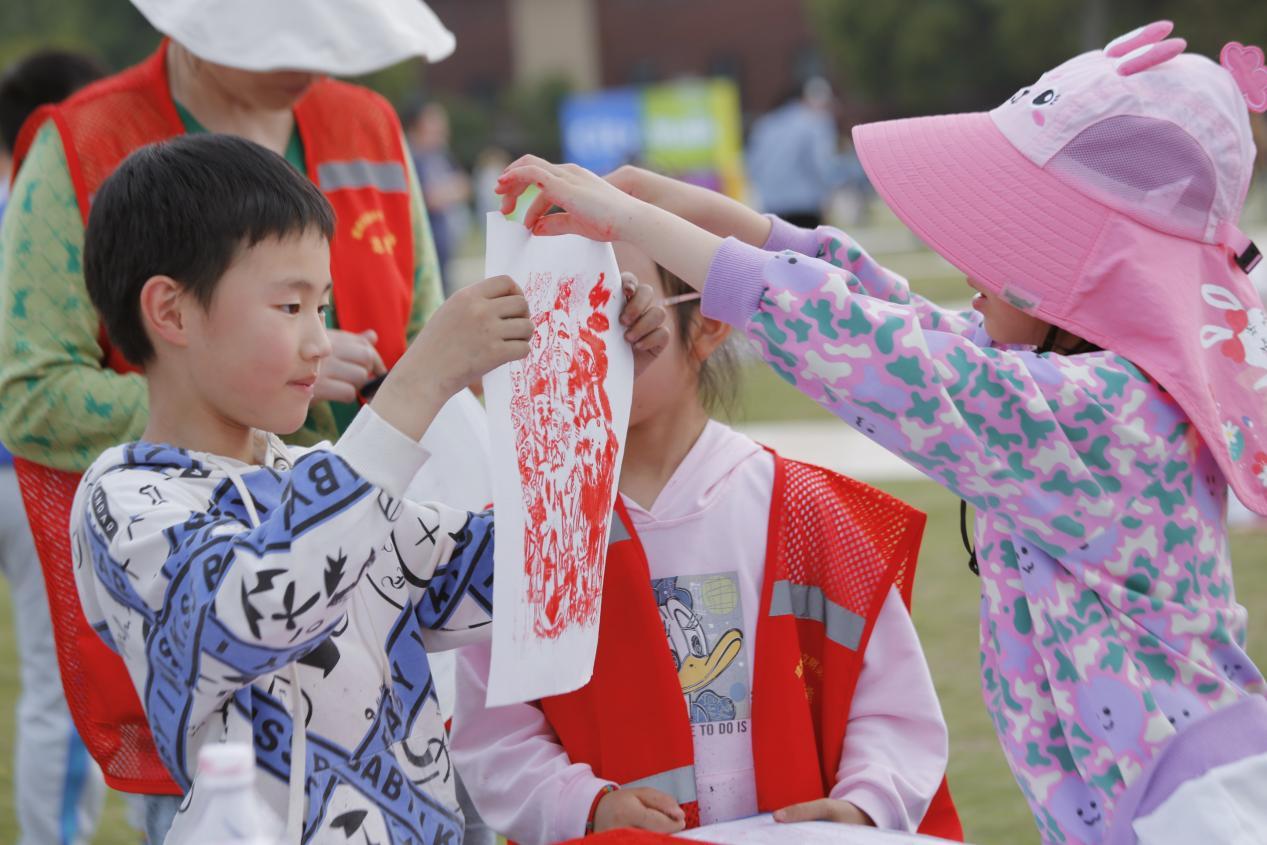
column 1022, row 234
column 345, row 38
column 960, row 185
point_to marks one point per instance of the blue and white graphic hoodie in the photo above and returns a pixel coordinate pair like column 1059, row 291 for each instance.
column 247, row 598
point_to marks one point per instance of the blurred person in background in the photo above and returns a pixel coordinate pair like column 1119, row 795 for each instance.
column 792, row 156
column 45, row 76
column 444, row 183
column 58, row 789
column 489, row 164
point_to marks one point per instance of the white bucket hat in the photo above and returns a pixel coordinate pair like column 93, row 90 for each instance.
column 338, row 37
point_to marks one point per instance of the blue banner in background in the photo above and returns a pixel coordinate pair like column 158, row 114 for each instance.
column 603, row 130
column 689, row 129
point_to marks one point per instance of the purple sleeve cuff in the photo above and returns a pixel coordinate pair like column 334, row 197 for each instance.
column 783, row 235
column 735, row 283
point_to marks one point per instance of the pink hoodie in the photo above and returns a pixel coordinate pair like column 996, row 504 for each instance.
column 705, row 539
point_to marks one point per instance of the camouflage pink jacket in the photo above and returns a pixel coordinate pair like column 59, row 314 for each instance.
column 1108, row 618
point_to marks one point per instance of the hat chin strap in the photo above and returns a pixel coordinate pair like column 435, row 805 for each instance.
column 1244, row 252
column 1049, row 342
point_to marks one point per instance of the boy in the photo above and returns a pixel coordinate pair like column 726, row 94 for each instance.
column 250, row 586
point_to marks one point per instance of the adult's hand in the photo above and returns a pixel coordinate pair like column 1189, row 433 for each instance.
column 353, row 362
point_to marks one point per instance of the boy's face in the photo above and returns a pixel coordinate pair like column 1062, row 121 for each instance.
column 255, row 352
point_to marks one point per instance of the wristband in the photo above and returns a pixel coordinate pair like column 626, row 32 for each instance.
column 606, row 790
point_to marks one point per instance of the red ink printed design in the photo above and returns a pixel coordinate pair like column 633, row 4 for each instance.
column 566, row 449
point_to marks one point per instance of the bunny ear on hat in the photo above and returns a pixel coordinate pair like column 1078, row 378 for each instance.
column 1150, row 55
column 1144, row 36
column 1143, row 48
column 337, row 37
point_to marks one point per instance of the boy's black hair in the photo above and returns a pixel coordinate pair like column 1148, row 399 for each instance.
column 186, row 208
column 47, row 76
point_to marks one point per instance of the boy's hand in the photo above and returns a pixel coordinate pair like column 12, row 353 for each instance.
column 824, row 810
column 353, row 363
column 642, row 807
column 644, row 319
column 475, row 331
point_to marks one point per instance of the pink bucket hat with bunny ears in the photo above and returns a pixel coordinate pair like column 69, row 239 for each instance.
column 1105, row 199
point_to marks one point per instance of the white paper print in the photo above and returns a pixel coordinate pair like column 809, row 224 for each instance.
column 557, row 422
column 458, row 471
column 764, row 830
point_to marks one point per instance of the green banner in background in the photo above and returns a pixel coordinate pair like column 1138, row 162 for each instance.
column 692, row 129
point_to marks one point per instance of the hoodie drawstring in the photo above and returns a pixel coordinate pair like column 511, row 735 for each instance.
column 298, row 733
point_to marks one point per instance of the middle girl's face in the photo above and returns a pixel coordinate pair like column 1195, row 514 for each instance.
column 672, row 379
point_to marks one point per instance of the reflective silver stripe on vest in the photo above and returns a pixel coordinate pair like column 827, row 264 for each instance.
column 844, row 627
column 680, row 783
column 386, row 176
column 618, row 532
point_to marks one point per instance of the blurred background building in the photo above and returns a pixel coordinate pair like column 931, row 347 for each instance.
column 765, row 46
column 518, row 60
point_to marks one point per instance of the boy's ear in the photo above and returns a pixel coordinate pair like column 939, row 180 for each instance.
column 164, row 303
column 709, row 334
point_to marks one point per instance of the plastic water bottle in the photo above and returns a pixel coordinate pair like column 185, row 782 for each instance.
column 228, row 812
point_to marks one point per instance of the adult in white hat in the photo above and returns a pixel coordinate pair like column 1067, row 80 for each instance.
column 260, row 71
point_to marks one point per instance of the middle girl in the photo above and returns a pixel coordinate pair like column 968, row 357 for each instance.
column 755, row 651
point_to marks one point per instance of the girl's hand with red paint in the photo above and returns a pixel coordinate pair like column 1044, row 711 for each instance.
column 591, row 207
column 596, row 209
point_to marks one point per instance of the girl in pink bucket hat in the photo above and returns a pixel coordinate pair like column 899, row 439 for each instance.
column 1109, row 385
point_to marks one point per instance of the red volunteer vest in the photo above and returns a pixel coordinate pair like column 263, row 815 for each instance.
column 835, row 547
column 354, row 153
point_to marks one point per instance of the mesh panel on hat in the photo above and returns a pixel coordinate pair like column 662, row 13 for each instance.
column 1149, row 169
